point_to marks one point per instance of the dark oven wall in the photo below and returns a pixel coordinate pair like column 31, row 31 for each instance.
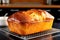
column 55, row 12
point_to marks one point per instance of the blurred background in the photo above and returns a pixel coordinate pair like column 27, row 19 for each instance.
column 8, row 7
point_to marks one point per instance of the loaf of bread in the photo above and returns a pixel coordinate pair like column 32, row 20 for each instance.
column 30, row 21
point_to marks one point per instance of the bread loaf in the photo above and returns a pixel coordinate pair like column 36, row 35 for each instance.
column 30, row 21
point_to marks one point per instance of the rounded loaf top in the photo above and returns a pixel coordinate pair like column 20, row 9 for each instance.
column 30, row 16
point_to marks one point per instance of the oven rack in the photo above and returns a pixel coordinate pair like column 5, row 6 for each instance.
column 27, row 37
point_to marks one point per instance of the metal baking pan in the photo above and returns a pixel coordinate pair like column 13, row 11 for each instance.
column 40, row 34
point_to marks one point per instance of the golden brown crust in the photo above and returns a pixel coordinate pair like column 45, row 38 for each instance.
column 32, row 15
